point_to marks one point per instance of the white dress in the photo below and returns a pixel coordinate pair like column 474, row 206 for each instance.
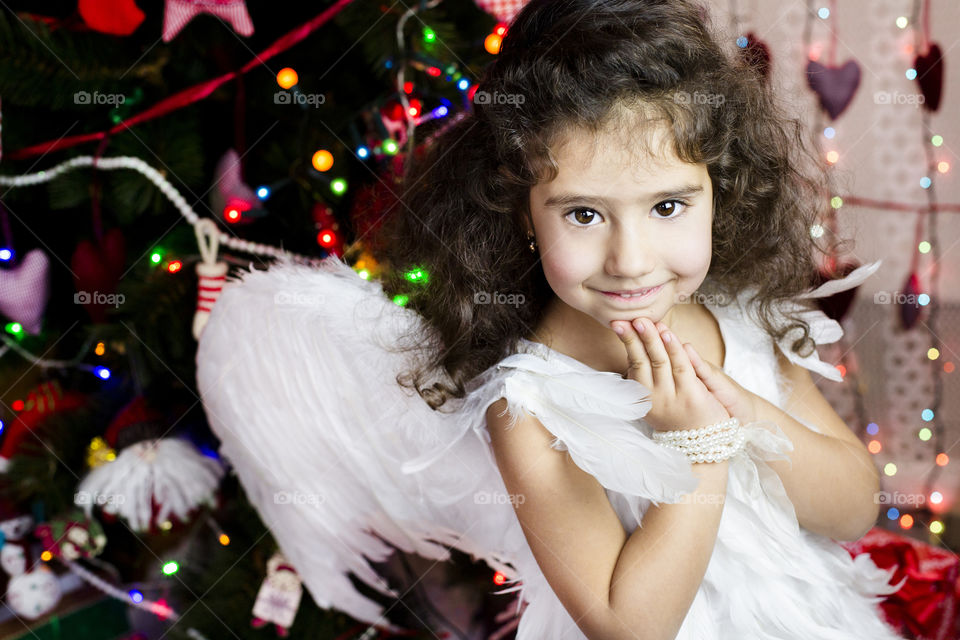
column 297, row 370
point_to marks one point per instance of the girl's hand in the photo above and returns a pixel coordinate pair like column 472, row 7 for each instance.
column 739, row 402
column 680, row 399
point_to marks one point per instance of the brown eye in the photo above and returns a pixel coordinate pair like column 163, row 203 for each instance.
column 670, row 210
column 582, row 216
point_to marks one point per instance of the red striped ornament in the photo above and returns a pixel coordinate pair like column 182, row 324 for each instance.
column 211, row 274
column 178, row 13
column 211, row 278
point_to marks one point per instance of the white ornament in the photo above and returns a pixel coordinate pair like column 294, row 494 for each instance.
column 279, row 595
column 34, row 594
column 13, row 559
column 169, row 472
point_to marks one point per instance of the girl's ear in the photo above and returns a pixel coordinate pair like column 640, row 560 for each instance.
column 527, row 221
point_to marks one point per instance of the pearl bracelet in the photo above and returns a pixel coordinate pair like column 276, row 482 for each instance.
column 714, row 443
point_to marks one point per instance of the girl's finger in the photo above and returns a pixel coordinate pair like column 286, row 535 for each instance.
column 638, row 365
column 698, row 364
column 657, row 353
column 716, row 382
column 702, row 368
column 683, row 372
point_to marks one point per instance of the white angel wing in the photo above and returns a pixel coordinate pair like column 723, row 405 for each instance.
column 298, row 379
column 823, row 329
column 297, row 370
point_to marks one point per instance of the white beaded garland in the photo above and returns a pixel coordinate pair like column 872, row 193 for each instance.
column 713, row 443
column 154, row 176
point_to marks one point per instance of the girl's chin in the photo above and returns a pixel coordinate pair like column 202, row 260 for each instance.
column 628, row 317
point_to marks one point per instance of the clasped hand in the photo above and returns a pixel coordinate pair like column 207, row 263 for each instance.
column 686, row 391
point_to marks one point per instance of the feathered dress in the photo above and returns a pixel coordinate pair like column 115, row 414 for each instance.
column 297, row 371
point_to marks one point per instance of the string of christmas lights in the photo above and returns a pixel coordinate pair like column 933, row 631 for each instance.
column 154, row 176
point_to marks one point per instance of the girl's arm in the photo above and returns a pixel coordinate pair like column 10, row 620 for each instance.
column 615, row 586
column 833, row 480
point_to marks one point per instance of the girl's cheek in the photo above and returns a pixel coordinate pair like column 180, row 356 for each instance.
column 562, row 263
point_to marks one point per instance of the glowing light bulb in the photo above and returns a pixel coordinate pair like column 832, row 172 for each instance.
column 287, row 77
column 492, row 43
column 322, row 160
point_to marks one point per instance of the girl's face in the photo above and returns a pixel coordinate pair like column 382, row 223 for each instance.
column 614, row 221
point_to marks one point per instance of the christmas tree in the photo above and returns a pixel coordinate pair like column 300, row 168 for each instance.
column 146, row 149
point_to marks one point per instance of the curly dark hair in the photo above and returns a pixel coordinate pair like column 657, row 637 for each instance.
column 578, row 64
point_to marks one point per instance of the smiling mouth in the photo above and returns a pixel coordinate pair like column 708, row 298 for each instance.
column 643, row 293
column 632, row 292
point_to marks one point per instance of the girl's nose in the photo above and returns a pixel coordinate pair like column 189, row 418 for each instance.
column 630, row 256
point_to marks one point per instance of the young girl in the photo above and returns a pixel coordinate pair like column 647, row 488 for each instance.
column 610, row 333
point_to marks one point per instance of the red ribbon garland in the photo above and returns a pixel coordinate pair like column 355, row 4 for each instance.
column 191, row 94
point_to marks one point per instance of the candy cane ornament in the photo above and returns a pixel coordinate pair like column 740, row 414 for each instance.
column 211, row 275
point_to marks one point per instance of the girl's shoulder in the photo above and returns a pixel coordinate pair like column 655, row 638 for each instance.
column 741, row 315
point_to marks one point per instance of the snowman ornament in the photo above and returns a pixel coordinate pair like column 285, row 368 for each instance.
column 32, row 592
